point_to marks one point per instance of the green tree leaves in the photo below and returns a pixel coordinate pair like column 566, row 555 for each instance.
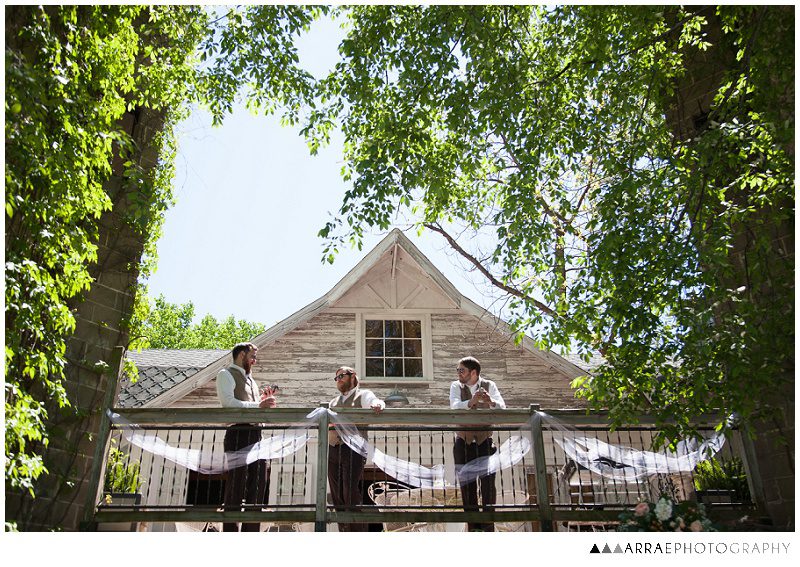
column 64, row 87
column 72, row 73
column 169, row 325
column 566, row 137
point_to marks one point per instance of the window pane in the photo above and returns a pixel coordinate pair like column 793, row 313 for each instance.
column 374, row 347
column 412, row 347
column 374, row 367
column 413, row 367
column 393, row 329
column 374, row 328
column 394, row 367
column 412, row 329
column 394, row 347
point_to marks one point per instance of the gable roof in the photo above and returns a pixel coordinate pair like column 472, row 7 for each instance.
column 394, row 241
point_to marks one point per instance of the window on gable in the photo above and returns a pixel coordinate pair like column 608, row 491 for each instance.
column 393, row 348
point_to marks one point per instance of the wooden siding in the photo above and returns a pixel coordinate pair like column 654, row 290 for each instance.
column 522, row 377
column 304, row 360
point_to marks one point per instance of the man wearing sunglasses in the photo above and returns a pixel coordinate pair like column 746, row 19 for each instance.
column 472, row 391
column 346, row 466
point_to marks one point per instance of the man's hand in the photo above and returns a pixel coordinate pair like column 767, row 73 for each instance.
column 377, row 408
column 481, row 399
column 268, row 402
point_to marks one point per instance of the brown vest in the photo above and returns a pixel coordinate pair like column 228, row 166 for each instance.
column 354, row 401
column 240, row 390
column 473, row 435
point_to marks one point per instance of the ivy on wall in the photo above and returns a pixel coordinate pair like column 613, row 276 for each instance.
column 72, row 73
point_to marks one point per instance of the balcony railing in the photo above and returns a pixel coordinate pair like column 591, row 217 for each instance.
column 545, row 490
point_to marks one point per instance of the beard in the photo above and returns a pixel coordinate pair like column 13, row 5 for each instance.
column 346, row 385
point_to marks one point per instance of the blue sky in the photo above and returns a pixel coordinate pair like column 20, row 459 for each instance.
column 242, row 237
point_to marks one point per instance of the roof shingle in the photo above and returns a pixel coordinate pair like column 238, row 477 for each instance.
column 162, row 369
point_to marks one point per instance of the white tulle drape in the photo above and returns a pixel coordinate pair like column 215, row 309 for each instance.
column 508, row 454
column 287, row 441
column 619, row 462
column 611, row 461
column 279, row 445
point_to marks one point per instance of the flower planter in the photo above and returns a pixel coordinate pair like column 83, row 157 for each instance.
column 119, row 500
column 715, row 496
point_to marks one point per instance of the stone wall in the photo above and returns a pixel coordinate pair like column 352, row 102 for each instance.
column 687, row 114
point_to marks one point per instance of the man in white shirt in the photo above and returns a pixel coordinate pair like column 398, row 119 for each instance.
column 472, row 391
column 237, row 389
column 345, row 466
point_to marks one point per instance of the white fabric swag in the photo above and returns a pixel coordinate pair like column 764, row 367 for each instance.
column 611, row 461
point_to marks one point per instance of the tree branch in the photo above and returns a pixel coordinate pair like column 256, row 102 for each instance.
column 482, row 269
column 547, row 208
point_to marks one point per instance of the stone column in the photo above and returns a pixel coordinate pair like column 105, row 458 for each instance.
column 688, row 114
column 100, row 315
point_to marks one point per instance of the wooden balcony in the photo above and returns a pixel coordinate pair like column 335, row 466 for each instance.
column 544, row 491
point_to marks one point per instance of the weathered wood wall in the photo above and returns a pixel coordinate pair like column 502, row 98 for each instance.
column 304, row 361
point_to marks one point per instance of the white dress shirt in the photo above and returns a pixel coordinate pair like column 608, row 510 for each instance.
column 226, row 385
column 455, row 395
column 368, row 399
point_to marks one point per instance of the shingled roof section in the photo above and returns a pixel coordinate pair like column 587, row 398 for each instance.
column 161, row 370
column 595, row 360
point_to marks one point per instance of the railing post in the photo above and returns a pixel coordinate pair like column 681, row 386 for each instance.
column 94, row 489
column 320, row 521
column 752, row 470
column 542, row 496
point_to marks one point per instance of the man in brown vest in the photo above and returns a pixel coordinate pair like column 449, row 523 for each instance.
column 472, row 391
column 237, row 389
column 346, row 466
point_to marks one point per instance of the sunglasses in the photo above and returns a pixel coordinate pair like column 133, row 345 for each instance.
column 461, row 370
column 341, row 376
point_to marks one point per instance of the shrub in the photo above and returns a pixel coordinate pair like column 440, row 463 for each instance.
column 715, row 474
column 122, row 476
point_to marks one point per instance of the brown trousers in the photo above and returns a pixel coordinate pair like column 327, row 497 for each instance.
column 249, row 483
column 345, row 468
column 463, row 453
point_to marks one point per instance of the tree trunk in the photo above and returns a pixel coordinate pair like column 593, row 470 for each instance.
column 688, row 114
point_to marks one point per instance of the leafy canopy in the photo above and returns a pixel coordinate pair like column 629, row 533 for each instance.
column 168, row 325
column 556, row 137
column 72, row 73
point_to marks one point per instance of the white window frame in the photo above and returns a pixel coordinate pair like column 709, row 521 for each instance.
column 392, row 315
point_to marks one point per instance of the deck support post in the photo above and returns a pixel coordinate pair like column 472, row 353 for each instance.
column 320, row 520
column 542, row 497
column 95, row 485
